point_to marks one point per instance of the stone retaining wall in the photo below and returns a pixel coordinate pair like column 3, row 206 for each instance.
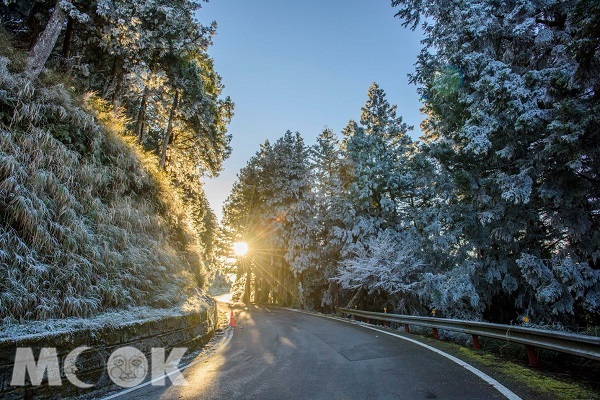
column 191, row 330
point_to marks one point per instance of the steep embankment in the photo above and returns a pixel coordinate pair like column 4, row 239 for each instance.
column 86, row 224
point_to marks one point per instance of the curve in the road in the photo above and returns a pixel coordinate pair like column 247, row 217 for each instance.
column 279, row 354
column 509, row 394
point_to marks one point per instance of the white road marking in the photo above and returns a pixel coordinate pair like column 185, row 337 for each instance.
column 497, row 385
column 494, row 383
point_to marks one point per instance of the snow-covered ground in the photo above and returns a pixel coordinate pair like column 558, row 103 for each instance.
column 224, row 298
column 114, row 319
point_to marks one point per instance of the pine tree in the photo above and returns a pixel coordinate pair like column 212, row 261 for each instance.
column 512, row 108
column 377, row 153
column 327, row 166
column 271, row 207
column 243, row 220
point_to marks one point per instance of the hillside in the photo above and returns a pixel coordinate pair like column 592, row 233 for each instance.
column 88, row 222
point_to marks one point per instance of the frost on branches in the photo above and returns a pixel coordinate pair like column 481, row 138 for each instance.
column 511, row 92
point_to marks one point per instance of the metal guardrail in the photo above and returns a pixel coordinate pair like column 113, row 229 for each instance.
column 579, row 345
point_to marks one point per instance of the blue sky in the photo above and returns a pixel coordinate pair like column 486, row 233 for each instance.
column 303, row 66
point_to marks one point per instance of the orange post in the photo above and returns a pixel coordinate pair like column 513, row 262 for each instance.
column 476, row 344
column 232, row 319
column 532, row 356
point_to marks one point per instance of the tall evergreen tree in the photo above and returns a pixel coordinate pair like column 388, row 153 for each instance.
column 271, row 207
column 377, row 153
column 328, row 168
column 512, row 108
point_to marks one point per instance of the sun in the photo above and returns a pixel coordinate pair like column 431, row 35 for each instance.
column 240, row 248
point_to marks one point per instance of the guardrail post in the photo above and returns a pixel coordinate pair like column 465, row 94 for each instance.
column 406, row 328
column 531, row 355
column 476, row 344
column 436, row 336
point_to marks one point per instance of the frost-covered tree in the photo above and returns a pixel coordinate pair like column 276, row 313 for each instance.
column 377, row 153
column 271, row 207
column 386, row 264
column 44, row 45
column 150, row 34
column 511, row 93
column 148, row 60
column 196, row 128
column 332, row 213
column 241, row 215
column 377, row 150
column 289, row 207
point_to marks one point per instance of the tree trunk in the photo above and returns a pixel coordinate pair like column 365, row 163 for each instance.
column 113, row 85
column 247, row 287
column 288, row 282
column 357, row 298
column 139, row 124
column 257, row 288
column 163, row 157
column 34, row 28
column 118, row 82
column 108, row 83
column 266, row 290
column 66, row 51
column 281, row 283
column 43, row 47
column 142, row 129
column 300, row 291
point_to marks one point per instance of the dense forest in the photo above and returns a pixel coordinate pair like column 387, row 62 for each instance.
column 110, row 115
column 493, row 214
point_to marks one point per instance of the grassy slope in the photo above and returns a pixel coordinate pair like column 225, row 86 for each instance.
column 540, row 382
column 86, row 223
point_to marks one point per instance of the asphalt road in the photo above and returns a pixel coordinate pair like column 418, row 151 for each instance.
column 280, row 354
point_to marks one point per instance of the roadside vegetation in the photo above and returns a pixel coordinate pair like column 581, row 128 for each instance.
column 556, row 380
column 96, row 216
column 493, row 214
